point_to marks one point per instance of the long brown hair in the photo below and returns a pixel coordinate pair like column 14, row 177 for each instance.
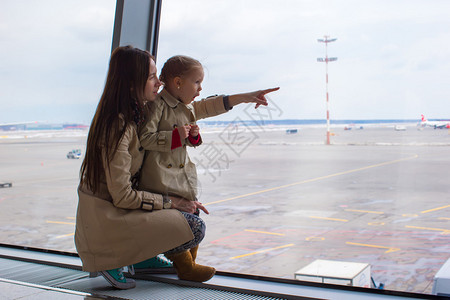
column 121, row 103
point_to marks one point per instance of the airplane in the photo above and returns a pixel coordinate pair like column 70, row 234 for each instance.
column 434, row 124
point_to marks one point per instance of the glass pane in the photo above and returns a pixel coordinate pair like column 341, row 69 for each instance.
column 53, row 59
column 279, row 196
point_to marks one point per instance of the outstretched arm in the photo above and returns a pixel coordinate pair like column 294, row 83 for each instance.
column 257, row 97
column 213, row 106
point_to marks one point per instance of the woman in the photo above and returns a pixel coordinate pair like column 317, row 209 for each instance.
column 118, row 225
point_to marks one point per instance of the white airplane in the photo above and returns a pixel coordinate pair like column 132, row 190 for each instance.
column 434, row 124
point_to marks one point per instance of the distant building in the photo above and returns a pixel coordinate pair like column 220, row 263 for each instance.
column 40, row 126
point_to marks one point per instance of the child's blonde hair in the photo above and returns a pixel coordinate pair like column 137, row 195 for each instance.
column 177, row 66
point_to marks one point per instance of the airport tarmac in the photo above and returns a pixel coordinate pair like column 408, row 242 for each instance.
column 277, row 201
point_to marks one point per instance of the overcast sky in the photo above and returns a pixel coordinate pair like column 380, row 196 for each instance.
column 392, row 55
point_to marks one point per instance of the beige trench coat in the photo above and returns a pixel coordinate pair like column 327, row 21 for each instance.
column 166, row 171
column 112, row 230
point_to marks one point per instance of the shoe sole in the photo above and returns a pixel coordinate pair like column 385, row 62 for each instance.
column 188, row 277
column 118, row 285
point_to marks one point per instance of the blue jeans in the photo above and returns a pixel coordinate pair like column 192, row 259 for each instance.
column 198, row 228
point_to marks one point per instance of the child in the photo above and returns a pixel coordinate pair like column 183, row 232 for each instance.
column 171, row 126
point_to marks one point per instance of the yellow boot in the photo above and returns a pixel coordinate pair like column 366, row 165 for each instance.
column 187, row 269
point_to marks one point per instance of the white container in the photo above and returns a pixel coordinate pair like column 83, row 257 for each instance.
column 336, row 272
column 441, row 282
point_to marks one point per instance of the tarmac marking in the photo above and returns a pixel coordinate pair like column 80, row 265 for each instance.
column 265, row 232
column 314, row 179
column 434, row 209
column 262, row 251
column 390, row 249
column 65, row 235
column 443, row 218
column 57, row 222
column 315, row 238
column 376, row 223
column 410, row 215
column 444, row 231
column 64, row 223
column 366, row 211
column 329, row 219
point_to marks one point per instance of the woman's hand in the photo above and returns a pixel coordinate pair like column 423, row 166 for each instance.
column 187, row 206
column 257, row 97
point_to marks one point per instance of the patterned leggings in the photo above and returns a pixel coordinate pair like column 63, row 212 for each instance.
column 198, row 228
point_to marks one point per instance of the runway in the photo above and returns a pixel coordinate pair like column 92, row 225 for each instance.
column 277, row 201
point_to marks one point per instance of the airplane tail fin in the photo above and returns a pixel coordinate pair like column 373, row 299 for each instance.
column 423, row 118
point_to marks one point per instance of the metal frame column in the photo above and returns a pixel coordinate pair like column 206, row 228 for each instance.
column 137, row 23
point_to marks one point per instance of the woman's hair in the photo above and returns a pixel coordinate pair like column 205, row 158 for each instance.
column 121, row 103
column 177, row 66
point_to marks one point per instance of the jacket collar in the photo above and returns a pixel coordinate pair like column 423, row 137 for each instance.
column 169, row 99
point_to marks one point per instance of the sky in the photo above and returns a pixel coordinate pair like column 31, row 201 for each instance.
column 392, row 56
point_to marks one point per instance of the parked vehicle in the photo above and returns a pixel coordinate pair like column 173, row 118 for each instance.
column 74, row 154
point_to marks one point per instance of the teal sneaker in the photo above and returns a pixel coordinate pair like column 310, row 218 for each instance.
column 157, row 264
column 116, row 279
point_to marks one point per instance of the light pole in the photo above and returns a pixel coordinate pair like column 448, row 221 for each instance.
column 326, row 40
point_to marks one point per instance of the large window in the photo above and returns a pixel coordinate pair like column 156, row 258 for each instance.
column 279, row 195
column 53, row 63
